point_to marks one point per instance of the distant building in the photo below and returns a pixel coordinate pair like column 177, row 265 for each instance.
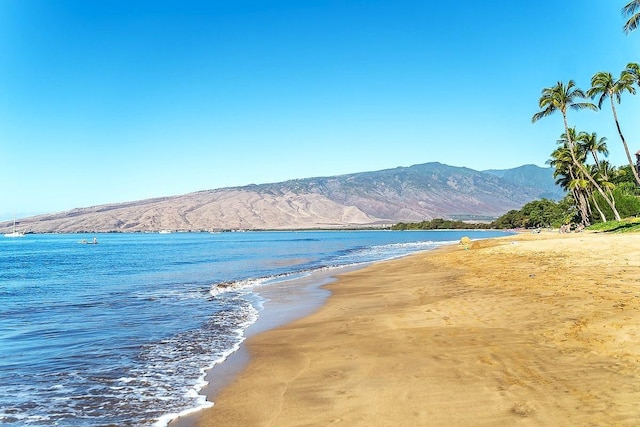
column 638, row 161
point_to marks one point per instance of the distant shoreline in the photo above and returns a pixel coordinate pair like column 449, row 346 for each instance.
column 270, row 230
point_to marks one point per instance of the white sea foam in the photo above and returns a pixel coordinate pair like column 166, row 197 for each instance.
column 200, row 401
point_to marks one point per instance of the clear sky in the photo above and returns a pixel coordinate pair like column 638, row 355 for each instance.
column 111, row 101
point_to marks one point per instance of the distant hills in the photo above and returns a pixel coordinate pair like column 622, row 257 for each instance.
column 404, row 194
column 532, row 175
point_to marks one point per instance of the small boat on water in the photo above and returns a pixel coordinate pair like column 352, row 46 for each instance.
column 164, row 232
column 14, row 233
column 89, row 242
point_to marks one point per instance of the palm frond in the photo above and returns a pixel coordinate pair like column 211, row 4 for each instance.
column 631, row 24
column 542, row 114
column 630, row 8
column 583, row 105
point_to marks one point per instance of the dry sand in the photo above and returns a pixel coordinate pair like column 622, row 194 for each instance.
column 525, row 330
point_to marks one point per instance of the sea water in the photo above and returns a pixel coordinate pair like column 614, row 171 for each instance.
column 122, row 332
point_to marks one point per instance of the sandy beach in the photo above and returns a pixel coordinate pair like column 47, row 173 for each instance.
column 524, row 330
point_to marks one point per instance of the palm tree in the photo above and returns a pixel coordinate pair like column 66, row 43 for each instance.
column 608, row 170
column 560, row 98
column 631, row 10
column 590, row 142
column 604, row 85
column 567, row 178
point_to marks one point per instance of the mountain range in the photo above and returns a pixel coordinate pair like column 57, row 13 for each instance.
column 404, row 194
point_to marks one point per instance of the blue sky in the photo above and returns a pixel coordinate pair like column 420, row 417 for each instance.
column 112, row 101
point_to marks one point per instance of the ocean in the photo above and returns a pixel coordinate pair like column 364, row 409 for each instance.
column 123, row 331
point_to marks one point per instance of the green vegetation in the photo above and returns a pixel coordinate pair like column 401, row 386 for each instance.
column 624, row 226
column 440, row 224
column 537, row 214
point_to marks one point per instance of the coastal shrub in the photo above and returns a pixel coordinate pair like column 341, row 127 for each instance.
column 627, row 202
column 624, row 226
column 535, row 214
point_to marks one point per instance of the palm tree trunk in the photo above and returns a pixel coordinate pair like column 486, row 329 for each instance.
column 624, row 143
column 595, row 159
column 587, row 196
column 595, row 203
column 584, row 209
column 578, row 198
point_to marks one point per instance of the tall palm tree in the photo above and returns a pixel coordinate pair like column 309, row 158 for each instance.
column 631, row 10
column 588, row 143
column 603, row 86
column 560, row 98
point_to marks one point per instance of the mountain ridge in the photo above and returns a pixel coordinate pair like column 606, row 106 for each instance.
column 403, row 194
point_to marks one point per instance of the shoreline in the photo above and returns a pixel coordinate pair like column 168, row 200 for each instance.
column 530, row 329
column 285, row 302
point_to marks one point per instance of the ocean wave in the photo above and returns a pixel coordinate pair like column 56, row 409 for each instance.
column 348, row 258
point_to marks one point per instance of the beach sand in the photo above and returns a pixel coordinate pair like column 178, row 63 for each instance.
column 528, row 329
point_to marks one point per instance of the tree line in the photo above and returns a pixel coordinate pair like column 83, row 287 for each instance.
column 440, row 224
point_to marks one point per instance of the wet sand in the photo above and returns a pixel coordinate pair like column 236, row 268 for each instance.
column 527, row 330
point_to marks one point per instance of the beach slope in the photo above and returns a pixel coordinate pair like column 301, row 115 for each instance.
column 524, row 330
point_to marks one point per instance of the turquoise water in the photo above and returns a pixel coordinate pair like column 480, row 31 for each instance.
column 121, row 333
